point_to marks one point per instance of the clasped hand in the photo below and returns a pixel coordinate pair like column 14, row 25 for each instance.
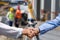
column 30, row 32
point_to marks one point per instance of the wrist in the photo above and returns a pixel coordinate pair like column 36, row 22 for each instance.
column 19, row 32
column 38, row 30
column 24, row 32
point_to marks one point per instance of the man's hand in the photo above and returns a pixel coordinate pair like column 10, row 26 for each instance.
column 32, row 31
column 29, row 32
column 36, row 31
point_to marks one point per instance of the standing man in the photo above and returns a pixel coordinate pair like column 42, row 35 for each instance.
column 10, row 17
column 31, row 17
column 18, row 16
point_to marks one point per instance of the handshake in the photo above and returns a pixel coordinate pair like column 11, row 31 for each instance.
column 30, row 32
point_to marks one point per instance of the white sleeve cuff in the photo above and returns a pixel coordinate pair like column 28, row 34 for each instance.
column 19, row 32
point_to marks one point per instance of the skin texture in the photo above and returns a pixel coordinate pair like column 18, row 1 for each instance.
column 30, row 32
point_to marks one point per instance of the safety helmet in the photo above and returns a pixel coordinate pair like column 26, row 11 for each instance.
column 11, row 9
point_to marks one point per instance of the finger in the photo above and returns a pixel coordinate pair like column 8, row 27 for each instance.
column 30, row 36
column 31, row 33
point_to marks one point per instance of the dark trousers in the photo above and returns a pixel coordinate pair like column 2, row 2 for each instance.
column 17, row 22
column 10, row 23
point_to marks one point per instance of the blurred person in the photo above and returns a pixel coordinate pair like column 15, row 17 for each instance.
column 18, row 16
column 44, row 15
column 31, row 17
column 47, row 16
column 10, row 17
column 24, row 18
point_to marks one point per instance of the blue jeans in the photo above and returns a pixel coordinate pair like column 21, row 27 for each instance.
column 10, row 23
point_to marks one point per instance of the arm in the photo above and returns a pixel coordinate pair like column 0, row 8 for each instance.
column 47, row 26
column 7, row 15
column 14, row 32
column 10, row 31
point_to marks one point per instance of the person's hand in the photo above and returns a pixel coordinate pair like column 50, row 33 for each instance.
column 29, row 32
column 34, row 31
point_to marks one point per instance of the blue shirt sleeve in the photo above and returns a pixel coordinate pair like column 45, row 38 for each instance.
column 47, row 26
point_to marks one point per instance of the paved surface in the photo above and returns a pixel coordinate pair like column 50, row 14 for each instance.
column 51, row 35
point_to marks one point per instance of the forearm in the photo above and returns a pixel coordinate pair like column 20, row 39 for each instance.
column 10, row 31
column 47, row 26
column 7, row 16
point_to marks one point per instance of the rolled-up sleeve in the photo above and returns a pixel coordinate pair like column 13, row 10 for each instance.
column 47, row 26
column 8, row 31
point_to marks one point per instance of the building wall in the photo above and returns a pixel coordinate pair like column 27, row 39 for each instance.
column 38, row 10
column 58, row 5
column 47, row 5
column 13, row 0
column 35, row 8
